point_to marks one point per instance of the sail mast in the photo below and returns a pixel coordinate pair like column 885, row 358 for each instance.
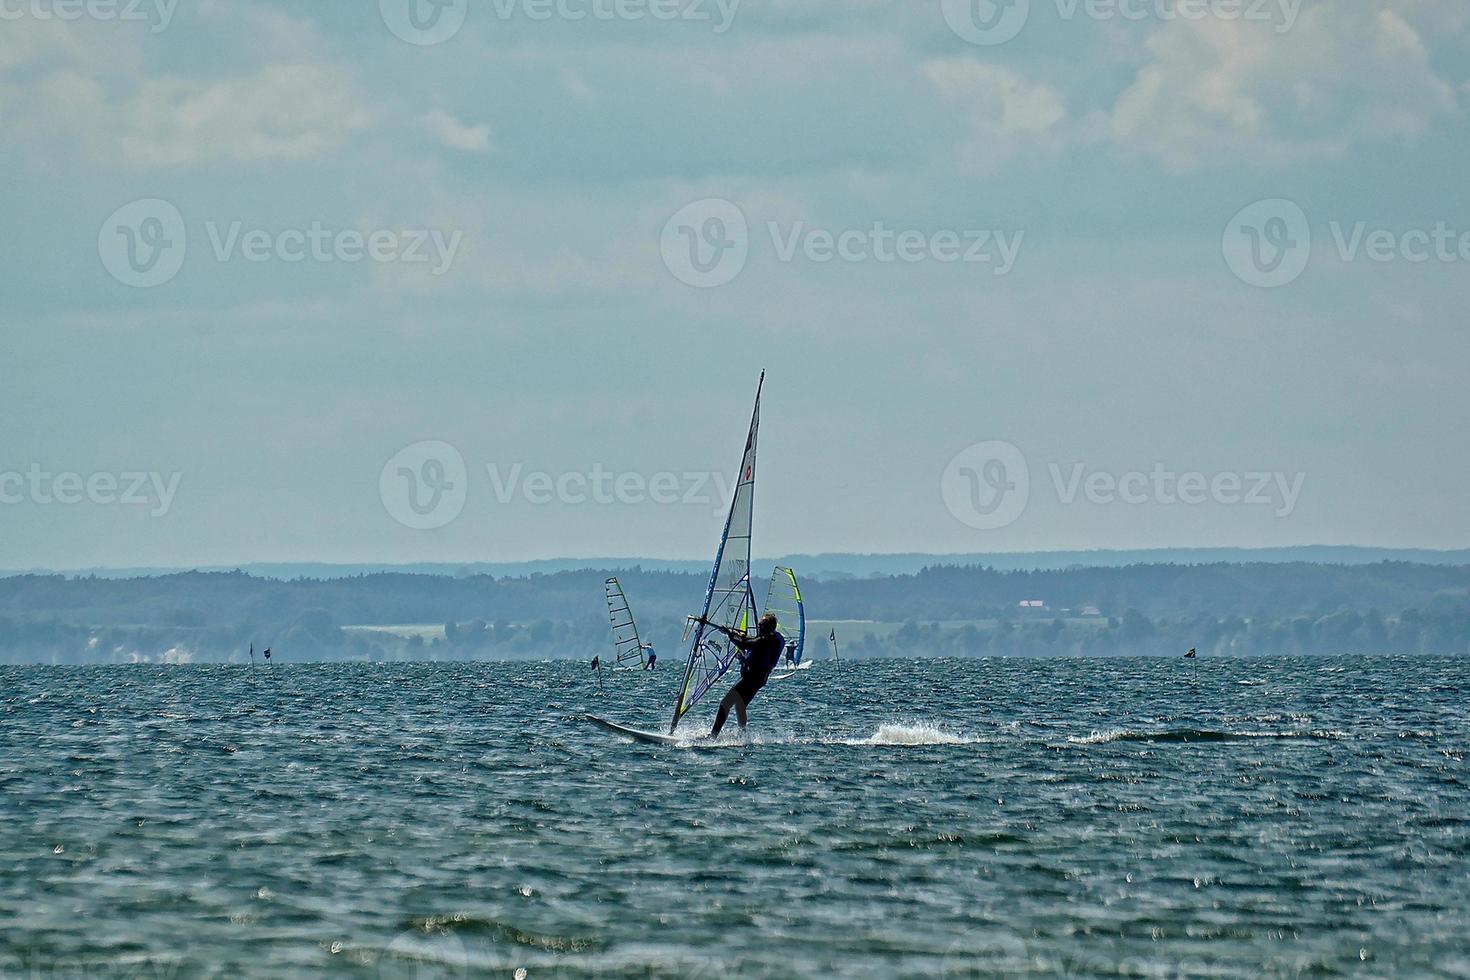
column 728, row 600
column 627, row 646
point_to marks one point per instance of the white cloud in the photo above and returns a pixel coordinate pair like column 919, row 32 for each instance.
column 75, row 91
column 1002, row 111
column 286, row 112
column 1344, row 74
column 458, row 135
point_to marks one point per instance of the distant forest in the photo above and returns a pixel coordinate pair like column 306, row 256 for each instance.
column 1147, row 609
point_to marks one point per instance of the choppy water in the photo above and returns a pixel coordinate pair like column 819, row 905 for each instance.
column 1294, row 817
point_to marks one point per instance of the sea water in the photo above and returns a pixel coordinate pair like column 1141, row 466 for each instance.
column 879, row 818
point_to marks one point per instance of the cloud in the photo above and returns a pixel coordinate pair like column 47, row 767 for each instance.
column 283, row 112
column 1002, row 112
column 1344, row 74
column 458, row 135
column 78, row 91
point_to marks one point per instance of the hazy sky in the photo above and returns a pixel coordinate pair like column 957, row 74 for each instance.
column 346, row 281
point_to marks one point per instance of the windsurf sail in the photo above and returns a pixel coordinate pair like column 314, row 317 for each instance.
column 626, row 644
column 783, row 599
column 728, row 601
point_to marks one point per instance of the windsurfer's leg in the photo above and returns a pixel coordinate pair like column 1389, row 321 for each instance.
column 739, row 708
column 722, row 714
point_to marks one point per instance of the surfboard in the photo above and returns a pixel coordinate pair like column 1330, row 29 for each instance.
column 637, row 734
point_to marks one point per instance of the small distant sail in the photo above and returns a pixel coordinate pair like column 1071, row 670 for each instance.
column 783, row 598
column 627, row 647
column 729, row 600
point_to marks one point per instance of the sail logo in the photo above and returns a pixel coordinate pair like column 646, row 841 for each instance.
column 424, row 486
column 987, row 486
column 1268, row 244
column 143, row 244
column 424, row 23
column 706, row 243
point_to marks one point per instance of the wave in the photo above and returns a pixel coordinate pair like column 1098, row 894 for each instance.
column 917, row 733
column 1199, row 735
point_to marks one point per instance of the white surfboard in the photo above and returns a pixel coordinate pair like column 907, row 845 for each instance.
column 637, row 734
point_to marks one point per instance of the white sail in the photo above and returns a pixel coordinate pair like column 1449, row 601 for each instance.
column 627, row 647
column 729, row 600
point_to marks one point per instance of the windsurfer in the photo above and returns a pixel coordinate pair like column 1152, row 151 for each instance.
column 759, row 655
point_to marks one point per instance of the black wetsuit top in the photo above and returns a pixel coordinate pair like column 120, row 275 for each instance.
column 762, row 654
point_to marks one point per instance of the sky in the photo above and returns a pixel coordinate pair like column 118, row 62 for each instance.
column 428, row 280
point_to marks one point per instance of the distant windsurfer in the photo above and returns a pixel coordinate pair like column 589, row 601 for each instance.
column 652, row 657
column 759, row 655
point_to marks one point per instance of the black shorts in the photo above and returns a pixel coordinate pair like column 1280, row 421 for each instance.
column 749, row 686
